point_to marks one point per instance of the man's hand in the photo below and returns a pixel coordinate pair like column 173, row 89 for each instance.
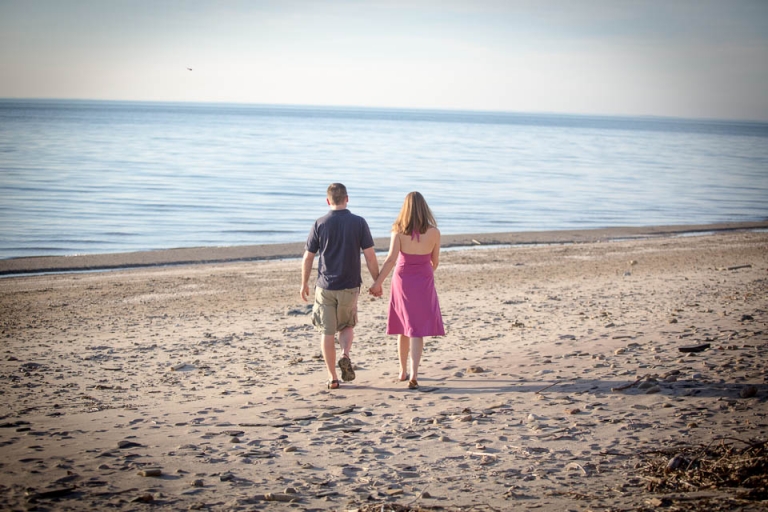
column 376, row 290
column 306, row 269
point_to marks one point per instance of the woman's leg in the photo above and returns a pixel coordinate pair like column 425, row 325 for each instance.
column 417, row 347
column 403, row 345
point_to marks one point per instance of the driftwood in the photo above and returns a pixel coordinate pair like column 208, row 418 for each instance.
column 736, row 267
column 282, row 497
column 694, row 348
column 715, row 466
column 556, row 383
column 55, row 493
column 631, row 384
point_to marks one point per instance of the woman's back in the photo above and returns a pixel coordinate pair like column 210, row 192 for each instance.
column 419, row 243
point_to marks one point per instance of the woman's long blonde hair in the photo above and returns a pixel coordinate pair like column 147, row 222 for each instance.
column 415, row 216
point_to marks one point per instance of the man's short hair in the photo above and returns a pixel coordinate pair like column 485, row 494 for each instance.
column 337, row 193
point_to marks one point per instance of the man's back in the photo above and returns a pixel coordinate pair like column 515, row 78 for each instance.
column 338, row 237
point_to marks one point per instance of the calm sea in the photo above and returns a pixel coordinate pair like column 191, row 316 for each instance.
column 96, row 177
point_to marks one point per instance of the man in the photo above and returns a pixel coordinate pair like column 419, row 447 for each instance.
column 338, row 237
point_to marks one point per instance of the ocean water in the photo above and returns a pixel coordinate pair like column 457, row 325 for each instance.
column 79, row 177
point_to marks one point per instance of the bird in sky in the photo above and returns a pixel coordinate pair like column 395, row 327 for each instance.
column 190, row 69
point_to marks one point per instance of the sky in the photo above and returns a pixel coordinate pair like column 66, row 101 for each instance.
column 671, row 58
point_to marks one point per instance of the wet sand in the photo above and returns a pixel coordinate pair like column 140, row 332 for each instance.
column 201, row 387
column 201, row 255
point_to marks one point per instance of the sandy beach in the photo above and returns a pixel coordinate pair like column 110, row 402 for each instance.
column 621, row 369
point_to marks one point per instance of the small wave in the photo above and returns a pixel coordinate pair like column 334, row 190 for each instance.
column 256, row 231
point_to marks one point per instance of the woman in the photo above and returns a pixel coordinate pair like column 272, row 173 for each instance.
column 414, row 311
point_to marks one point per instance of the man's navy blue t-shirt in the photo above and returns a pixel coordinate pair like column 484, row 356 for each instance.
column 339, row 236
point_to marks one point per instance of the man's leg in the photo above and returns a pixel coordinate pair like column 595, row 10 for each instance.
column 403, row 346
column 346, row 318
column 328, row 347
column 346, row 336
column 324, row 318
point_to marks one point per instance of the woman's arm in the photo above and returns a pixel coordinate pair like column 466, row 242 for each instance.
column 386, row 268
column 436, row 250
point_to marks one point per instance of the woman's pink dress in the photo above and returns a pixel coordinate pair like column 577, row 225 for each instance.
column 413, row 306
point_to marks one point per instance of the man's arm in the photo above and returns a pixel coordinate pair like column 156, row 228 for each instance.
column 306, row 270
column 371, row 262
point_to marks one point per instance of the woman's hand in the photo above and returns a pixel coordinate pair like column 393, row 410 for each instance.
column 376, row 290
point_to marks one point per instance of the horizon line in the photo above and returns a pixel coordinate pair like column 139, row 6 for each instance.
column 395, row 108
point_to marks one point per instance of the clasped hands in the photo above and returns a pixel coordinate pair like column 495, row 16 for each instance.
column 376, row 290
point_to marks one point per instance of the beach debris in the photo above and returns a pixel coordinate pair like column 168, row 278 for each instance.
column 475, row 369
column 299, row 311
column 45, row 495
column 735, row 267
column 571, row 466
column 630, row 385
column 150, row 472
column 556, row 383
column 716, row 466
column 277, row 496
column 748, row 392
column 14, row 424
column 694, row 348
column 128, row 444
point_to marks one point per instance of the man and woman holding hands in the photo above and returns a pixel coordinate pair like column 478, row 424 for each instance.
column 337, row 238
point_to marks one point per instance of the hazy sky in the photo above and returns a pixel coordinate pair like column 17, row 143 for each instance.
column 687, row 58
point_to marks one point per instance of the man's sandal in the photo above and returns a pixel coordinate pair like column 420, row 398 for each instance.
column 347, row 373
column 334, row 384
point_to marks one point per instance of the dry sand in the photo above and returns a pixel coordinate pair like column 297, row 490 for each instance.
column 559, row 385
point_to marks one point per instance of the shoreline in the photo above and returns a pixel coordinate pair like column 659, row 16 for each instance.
column 207, row 255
